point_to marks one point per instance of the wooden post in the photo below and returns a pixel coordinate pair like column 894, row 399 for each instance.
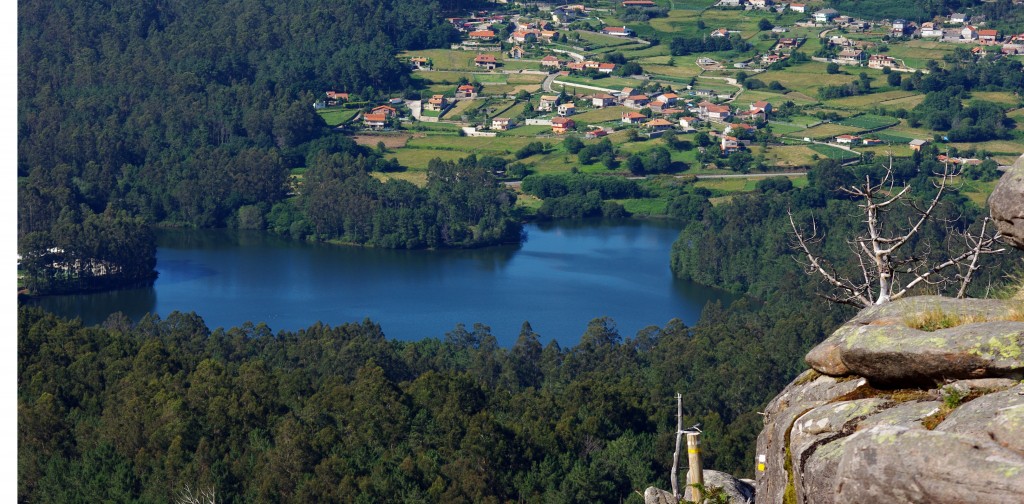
column 696, row 474
column 679, row 440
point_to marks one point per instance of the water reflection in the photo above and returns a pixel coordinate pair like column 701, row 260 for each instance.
column 565, row 275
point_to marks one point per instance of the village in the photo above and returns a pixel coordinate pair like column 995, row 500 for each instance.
column 725, row 86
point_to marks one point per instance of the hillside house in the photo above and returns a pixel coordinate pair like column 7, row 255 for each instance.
column 798, row 7
column 762, row 105
column 761, row 4
column 633, row 117
column 689, row 123
column 605, row 68
column 658, row 124
column 563, row 16
column 516, row 52
column 959, row 18
column 917, row 144
column 847, row 139
column 436, row 103
column 419, row 63
column 787, row 44
column 550, row 62
column 336, row 96
column 561, row 125
column 872, row 141
column 591, row 65
column 931, row 30
column 668, row 98
column 729, row 144
column 730, row 3
column 1012, row 49
column 481, row 35
column 721, row 32
column 617, row 31
column 375, row 121
column 501, row 124
column 715, row 112
column 752, row 115
column 547, row 103
column 575, row 66
column 486, row 61
column 548, row 35
column 567, row 109
column 602, row 100
column 636, row 101
column 880, row 61
column 825, row 15
column 466, row 91
column 850, row 57
column 524, row 36
column 969, row 33
column 988, row 36
column 738, row 128
column 388, row 111
column 596, row 133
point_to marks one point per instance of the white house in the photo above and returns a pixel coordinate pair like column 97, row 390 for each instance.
column 825, row 15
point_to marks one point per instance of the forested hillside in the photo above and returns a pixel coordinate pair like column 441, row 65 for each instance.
column 193, row 113
column 132, row 412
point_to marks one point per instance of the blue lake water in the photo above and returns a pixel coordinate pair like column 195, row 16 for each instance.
column 564, row 275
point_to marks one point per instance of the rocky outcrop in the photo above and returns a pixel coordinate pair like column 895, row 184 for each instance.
column 738, row 491
column 1007, row 204
column 891, row 412
column 888, row 345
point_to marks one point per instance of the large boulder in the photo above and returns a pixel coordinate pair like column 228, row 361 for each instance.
column 839, row 440
column 884, row 344
column 895, row 463
column 1007, row 204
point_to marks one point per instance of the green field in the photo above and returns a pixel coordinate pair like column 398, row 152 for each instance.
column 869, row 122
column 526, row 131
column 417, row 159
column 490, row 78
column 447, row 59
column 917, row 53
column 805, row 78
column 600, row 40
column 833, row 152
column 827, row 131
column 336, row 116
column 891, row 137
column 644, row 206
column 469, row 145
column 870, row 100
column 602, row 115
column 1000, row 97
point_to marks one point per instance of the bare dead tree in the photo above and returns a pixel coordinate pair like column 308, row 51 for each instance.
column 189, row 495
column 887, row 273
column 679, row 439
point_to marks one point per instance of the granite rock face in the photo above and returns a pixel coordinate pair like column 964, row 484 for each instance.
column 1007, row 204
column 883, row 345
column 891, row 413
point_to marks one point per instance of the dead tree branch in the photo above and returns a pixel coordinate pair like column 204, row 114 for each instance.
column 878, row 252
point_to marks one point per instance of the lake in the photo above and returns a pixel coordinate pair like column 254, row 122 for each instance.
column 561, row 277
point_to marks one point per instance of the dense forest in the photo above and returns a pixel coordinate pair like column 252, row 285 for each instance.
column 135, row 412
column 194, row 113
column 139, row 411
